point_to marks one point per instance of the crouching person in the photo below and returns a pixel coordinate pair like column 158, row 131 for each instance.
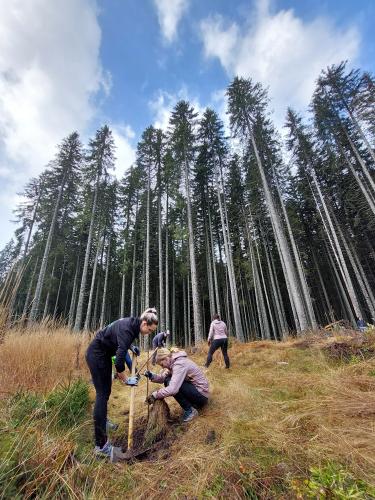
column 184, row 380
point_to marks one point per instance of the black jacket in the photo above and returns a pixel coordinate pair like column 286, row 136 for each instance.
column 116, row 338
column 159, row 340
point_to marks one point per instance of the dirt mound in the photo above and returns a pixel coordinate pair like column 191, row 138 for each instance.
column 158, row 448
column 347, row 351
column 157, row 424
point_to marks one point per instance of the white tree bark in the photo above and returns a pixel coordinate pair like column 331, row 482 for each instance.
column 39, row 286
column 92, row 287
column 290, row 274
column 82, row 289
column 228, row 256
column 104, row 298
column 193, row 268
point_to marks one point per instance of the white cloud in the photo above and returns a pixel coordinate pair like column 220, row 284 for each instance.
column 125, row 150
column 170, row 13
column 280, row 50
column 161, row 107
column 50, row 71
column 163, row 103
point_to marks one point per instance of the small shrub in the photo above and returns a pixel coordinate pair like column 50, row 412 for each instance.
column 333, row 481
column 68, row 404
column 215, row 488
column 23, row 407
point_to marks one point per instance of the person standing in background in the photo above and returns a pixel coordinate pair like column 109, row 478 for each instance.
column 158, row 341
column 218, row 338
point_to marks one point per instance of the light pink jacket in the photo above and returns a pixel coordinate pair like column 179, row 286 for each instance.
column 218, row 330
column 182, row 369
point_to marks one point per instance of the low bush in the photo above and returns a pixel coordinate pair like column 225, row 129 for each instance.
column 333, row 481
column 24, row 406
column 68, row 403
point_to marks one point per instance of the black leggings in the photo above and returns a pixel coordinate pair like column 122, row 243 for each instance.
column 215, row 344
column 188, row 395
column 100, row 365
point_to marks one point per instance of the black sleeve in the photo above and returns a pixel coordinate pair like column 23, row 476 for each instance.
column 125, row 337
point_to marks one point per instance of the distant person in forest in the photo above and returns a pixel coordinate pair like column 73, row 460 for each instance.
column 160, row 340
column 183, row 380
column 361, row 324
column 218, row 338
column 113, row 340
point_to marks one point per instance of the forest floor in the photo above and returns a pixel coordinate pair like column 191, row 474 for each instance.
column 291, row 419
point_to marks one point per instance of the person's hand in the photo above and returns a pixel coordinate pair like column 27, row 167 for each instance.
column 209, row 342
column 121, row 376
column 151, row 399
column 149, row 374
column 133, row 381
column 135, row 349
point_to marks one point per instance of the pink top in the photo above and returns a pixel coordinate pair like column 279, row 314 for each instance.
column 182, row 369
column 218, row 330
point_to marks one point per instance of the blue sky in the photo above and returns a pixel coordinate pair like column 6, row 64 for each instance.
column 76, row 64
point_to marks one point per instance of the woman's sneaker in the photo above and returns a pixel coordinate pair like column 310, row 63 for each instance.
column 189, row 414
column 105, row 451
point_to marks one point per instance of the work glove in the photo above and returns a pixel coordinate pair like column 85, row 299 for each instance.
column 135, row 349
column 150, row 400
column 149, row 374
column 132, row 380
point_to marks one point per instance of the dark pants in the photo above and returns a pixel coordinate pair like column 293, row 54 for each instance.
column 216, row 344
column 100, row 365
column 188, row 395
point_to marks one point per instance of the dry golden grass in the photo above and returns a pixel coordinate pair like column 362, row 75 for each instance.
column 38, row 359
column 281, row 409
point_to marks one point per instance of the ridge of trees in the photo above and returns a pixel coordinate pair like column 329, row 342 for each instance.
column 203, row 223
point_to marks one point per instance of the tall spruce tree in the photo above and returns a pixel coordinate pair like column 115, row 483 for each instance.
column 63, row 176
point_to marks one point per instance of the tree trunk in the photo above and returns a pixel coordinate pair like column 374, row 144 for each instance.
column 59, row 289
column 167, row 324
column 211, row 297
column 295, row 297
column 29, row 290
column 38, row 290
column 336, row 247
column 147, row 249
column 104, row 298
column 92, row 287
column 228, row 255
column 193, row 269
column 216, row 287
column 45, row 312
column 300, row 270
column 82, row 290
column 74, row 296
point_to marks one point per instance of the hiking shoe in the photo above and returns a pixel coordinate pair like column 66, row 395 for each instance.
column 105, row 451
column 111, row 426
column 189, row 414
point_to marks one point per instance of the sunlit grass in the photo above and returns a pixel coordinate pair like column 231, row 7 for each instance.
column 285, row 413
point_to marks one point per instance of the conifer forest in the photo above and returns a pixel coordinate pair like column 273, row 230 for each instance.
column 274, row 230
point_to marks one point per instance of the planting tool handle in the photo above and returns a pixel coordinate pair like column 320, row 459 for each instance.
column 148, row 408
column 132, row 402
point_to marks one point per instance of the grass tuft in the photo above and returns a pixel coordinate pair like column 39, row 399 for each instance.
column 67, row 404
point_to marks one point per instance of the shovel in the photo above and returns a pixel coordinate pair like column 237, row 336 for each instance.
column 117, row 454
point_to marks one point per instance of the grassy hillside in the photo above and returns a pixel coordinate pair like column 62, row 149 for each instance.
column 288, row 420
